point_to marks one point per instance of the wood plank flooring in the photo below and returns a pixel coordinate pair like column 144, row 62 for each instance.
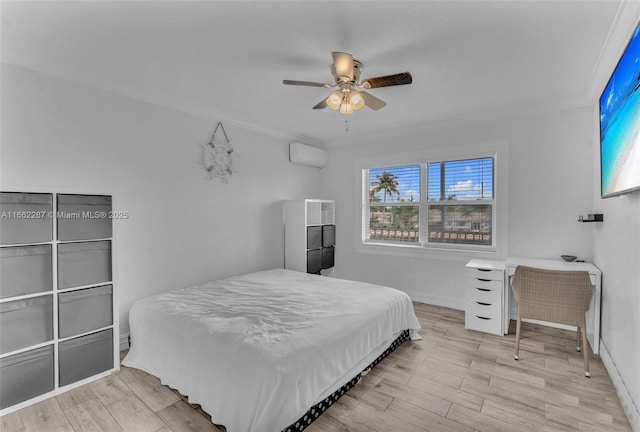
column 454, row 380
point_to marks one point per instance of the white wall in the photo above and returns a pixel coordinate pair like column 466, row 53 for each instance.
column 554, row 178
column 182, row 228
column 551, row 182
column 617, row 253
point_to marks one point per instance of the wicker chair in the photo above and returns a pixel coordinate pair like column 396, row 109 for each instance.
column 556, row 296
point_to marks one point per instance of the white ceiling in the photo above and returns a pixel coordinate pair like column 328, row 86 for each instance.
column 470, row 60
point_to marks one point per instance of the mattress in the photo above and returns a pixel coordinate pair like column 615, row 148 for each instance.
column 257, row 351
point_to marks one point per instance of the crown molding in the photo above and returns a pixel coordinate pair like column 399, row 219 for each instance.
column 620, row 32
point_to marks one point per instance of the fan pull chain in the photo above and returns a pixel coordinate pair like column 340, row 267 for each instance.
column 346, row 124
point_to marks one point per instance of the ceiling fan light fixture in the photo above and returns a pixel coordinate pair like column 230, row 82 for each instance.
column 346, row 73
column 334, row 100
column 346, row 101
column 356, row 100
column 346, row 107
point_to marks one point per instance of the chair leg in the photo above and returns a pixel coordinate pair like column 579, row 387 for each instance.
column 518, row 321
column 585, row 350
column 578, row 348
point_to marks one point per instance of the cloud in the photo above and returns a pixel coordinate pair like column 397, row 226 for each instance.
column 465, row 190
column 410, row 193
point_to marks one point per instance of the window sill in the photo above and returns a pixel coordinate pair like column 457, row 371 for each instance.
column 430, row 252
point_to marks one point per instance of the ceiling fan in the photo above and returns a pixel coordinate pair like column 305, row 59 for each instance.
column 349, row 96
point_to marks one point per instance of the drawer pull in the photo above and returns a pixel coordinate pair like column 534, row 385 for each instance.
column 483, row 304
column 483, row 269
column 484, row 280
column 484, row 318
column 483, row 289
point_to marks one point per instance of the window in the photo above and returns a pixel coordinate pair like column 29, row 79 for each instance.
column 394, row 198
column 460, row 202
column 445, row 203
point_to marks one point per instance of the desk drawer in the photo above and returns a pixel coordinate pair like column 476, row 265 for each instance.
column 486, row 274
column 484, row 310
column 483, row 324
column 494, row 285
column 484, row 295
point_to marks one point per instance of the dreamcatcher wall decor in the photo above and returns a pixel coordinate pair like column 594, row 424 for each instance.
column 218, row 157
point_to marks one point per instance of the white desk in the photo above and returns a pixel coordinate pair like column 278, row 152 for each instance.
column 593, row 313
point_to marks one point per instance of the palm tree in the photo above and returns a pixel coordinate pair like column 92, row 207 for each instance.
column 386, row 182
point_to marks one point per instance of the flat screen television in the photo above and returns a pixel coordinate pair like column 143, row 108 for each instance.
column 620, row 124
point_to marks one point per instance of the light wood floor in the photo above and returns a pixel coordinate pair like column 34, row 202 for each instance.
column 452, row 380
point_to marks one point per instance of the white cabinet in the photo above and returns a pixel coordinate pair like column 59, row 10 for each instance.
column 310, row 236
column 58, row 321
column 484, row 299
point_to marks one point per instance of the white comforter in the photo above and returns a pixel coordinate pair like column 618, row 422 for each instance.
column 257, row 351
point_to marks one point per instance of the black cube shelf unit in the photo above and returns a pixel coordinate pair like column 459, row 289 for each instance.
column 310, row 236
column 58, row 320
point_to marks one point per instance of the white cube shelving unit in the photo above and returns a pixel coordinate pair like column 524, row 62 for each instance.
column 58, row 318
column 310, row 236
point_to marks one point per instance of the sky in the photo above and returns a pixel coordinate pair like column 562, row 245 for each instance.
column 469, row 179
column 622, row 81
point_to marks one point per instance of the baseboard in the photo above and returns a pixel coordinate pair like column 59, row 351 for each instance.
column 448, row 302
column 124, row 341
column 629, row 405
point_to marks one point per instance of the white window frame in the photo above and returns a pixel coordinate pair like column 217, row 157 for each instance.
column 496, row 149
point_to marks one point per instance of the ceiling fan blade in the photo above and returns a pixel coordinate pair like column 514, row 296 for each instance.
column 343, row 64
column 389, row 80
column 321, row 104
column 306, row 83
column 372, row 102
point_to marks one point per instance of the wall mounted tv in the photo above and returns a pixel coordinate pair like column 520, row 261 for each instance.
column 620, row 124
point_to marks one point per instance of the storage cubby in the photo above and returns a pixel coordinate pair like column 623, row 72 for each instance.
column 84, row 310
column 89, row 217
column 25, row 270
column 26, row 375
column 57, row 313
column 26, row 218
column 85, row 356
column 25, row 323
column 84, row 263
column 310, row 235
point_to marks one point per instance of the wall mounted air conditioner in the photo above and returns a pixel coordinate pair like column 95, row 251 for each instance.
column 306, row 155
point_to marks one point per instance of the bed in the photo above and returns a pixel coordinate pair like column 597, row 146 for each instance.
column 267, row 351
